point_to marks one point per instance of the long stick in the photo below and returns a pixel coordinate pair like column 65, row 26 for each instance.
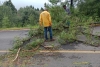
column 17, row 54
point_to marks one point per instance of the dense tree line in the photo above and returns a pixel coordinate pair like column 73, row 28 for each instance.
column 11, row 17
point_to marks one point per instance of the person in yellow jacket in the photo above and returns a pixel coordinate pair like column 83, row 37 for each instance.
column 45, row 21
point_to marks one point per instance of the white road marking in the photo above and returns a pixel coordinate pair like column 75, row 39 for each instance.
column 4, row 51
column 60, row 51
column 68, row 51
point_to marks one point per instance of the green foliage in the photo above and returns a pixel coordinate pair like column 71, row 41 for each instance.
column 10, row 4
column 28, row 16
column 31, row 33
column 5, row 22
column 20, row 42
column 17, row 43
column 41, row 9
column 58, row 26
column 34, row 44
column 77, row 23
column 62, row 38
column 65, row 37
column 18, row 18
column 36, row 32
column 5, row 11
column 57, row 13
column 54, row 2
column 32, row 20
column 90, row 8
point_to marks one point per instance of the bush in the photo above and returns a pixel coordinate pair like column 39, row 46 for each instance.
column 62, row 38
column 17, row 43
column 66, row 37
column 36, row 32
column 34, row 44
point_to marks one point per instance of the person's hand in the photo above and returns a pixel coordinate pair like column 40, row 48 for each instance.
column 50, row 24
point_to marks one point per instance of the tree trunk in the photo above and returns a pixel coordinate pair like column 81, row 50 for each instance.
column 71, row 6
column 71, row 3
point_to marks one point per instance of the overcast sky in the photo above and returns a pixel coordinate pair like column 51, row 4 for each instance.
column 23, row 3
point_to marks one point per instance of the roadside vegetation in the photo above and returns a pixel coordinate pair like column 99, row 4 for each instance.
column 66, row 28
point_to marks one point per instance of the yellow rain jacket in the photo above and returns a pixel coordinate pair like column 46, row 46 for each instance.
column 45, row 19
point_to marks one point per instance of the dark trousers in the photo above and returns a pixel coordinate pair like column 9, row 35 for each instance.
column 46, row 29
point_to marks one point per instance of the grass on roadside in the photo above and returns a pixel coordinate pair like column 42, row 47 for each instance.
column 19, row 28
